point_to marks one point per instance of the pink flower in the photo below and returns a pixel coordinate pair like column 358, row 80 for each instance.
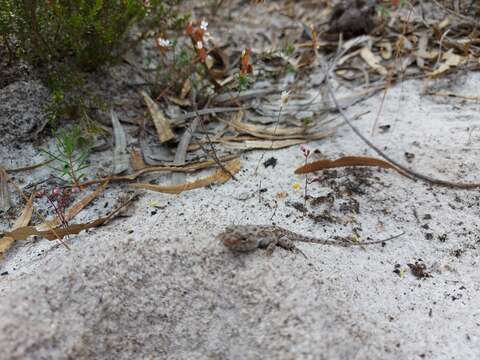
column 305, row 150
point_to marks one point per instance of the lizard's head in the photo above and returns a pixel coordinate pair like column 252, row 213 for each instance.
column 238, row 238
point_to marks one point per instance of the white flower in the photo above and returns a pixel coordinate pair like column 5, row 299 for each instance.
column 204, row 25
column 284, row 97
column 163, row 42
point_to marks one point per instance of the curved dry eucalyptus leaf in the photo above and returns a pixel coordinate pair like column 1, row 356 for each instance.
column 344, row 162
column 219, row 177
column 120, row 153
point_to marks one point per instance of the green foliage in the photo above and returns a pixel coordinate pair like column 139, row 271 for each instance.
column 66, row 38
column 88, row 33
column 244, row 82
column 289, row 49
column 71, row 155
column 385, row 11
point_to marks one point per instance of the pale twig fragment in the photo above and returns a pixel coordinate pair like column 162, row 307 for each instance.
column 268, row 144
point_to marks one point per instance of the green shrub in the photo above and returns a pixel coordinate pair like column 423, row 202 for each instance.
column 85, row 33
column 67, row 38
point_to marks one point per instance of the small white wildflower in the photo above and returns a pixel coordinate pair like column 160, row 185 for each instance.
column 199, row 45
column 204, row 25
column 284, row 97
column 163, row 42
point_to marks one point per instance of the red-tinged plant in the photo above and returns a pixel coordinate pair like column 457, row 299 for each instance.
column 245, row 66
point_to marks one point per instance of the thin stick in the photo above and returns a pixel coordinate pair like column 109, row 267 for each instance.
column 209, row 141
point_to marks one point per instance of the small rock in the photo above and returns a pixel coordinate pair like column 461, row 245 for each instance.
column 22, row 113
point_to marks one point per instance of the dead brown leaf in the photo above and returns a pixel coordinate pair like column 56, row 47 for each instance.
column 219, row 177
column 23, row 232
column 343, row 162
column 23, row 220
column 162, row 125
column 136, row 160
column 190, row 167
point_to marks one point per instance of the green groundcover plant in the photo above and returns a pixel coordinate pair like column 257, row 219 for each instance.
column 85, row 33
column 65, row 39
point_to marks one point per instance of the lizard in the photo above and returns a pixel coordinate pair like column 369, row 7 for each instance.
column 244, row 238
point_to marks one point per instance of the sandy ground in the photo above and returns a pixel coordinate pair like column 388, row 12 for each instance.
column 158, row 284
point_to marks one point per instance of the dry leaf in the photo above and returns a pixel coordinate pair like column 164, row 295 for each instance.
column 5, row 203
column 266, row 144
column 22, row 233
column 120, row 154
column 29, row 167
column 266, row 132
column 444, row 23
column 217, row 63
column 386, row 50
column 190, row 167
column 187, row 86
column 219, row 177
column 451, row 60
column 136, row 160
column 52, row 234
column 372, row 60
column 179, row 102
column 23, row 220
column 161, row 123
column 422, row 49
column 343, row 162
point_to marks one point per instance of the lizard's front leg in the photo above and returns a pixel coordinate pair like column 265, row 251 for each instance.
column 287, row 244
column 282, row 242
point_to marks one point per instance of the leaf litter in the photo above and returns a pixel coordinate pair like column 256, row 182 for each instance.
column 392, row 49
